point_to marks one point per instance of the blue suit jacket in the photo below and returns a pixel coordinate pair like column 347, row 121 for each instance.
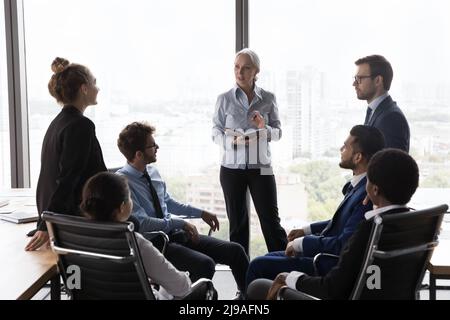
column 389, row 119
column 331, row 236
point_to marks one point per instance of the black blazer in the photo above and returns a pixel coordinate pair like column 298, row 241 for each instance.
column 389, row 119
column 70, row 155
column 339, row 282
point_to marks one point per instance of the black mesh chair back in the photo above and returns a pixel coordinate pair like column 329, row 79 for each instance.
column 105, row 253
column 400, row 247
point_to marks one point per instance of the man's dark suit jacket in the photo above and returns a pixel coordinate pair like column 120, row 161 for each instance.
column 339, row 282
column 71, row 154
column 389, row 119
column 330, row 236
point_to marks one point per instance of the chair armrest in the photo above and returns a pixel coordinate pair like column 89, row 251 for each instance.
column 202, row 289
column 319, row 256
column 153, row 234
column 286, row 293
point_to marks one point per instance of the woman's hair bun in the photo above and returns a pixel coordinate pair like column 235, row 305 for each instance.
column 59, row 64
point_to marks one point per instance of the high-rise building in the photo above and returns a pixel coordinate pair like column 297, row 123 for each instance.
column 307, row 112
column 204, row 191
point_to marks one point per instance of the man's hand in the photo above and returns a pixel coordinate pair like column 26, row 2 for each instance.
column 39, row 239
column 290, row 252
column 280, row 281
column 295, row 233
column 211, row 220
column 366, row 202
column 192, row 231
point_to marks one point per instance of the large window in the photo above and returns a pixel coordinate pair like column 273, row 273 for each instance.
column 307, row 51
column 5, row 164
column 164, row 62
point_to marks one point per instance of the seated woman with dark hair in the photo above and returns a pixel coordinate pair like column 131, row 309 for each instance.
column 106, row 197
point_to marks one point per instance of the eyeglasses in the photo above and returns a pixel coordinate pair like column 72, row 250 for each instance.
column 358, row 79
column 152, row 146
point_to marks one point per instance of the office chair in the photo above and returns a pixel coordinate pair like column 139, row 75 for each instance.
column 107, row 256
column 114, row 169
column 401, row 246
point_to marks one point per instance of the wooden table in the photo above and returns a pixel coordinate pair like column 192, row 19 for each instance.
column 439, row 266
column 23, row 273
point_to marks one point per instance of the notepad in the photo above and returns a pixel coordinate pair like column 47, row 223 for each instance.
column 20, row 216
column 250, row 133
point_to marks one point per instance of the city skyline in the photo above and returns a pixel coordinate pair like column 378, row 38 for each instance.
column 169, row 71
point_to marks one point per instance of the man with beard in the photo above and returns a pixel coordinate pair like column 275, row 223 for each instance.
column 156, row 210
column 327, row 236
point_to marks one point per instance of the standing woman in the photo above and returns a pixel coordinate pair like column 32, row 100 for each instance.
column 246, row 160
column 70, row 153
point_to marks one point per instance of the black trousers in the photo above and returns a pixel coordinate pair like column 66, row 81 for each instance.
column 200, row 258
column 264, row 194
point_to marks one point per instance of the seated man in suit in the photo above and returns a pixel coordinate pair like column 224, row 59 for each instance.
column 392, row 179
column 155, row 209
column 372, row 83
column 327, row 236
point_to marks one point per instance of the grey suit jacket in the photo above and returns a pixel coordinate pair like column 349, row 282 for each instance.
column 389, row 119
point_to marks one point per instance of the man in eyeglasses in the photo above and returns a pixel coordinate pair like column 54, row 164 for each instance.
column 156, row 210
column 372, row 83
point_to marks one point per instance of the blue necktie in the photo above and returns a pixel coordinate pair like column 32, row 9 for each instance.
column 368, row 113
column 347, row 188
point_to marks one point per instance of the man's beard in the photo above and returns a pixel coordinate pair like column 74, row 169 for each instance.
column 347, row 164
column 150, row 159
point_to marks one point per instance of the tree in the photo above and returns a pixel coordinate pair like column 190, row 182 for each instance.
column 177, row 187
column 323, row 183
column 440, row 179
column 257, row 246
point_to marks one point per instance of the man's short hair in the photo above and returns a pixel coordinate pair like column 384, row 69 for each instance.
column 379, row 66
column 395, row 173
column 367, row 140
column 133, row 138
